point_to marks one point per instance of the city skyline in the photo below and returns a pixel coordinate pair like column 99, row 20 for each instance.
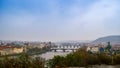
column 57, row 20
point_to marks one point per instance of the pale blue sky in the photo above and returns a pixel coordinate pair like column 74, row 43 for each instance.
column 57, row 20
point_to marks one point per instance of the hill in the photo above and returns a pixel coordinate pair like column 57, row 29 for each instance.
column 113, row 39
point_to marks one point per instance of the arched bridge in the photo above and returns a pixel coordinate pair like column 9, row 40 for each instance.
column 65, row 48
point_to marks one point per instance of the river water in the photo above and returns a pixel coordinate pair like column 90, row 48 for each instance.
column 50, row 55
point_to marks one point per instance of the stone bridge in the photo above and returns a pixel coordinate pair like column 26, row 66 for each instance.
column 65, row 48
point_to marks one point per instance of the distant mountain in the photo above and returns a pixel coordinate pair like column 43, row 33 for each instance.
column 112, row 39
column 74, row 41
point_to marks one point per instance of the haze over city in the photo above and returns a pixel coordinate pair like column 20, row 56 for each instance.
column 56, row 20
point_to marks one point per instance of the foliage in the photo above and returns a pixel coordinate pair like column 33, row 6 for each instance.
column 81, row 58
column 117, row 59
column 23, row 61
column 35, row 51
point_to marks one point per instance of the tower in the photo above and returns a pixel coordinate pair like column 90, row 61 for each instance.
column 108, row 48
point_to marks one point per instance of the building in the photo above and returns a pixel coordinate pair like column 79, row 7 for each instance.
column 18, row 50
column 6, row 50
column 37, row 45
column 93, row 49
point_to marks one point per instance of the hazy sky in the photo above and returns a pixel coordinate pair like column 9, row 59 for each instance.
column 56, row 20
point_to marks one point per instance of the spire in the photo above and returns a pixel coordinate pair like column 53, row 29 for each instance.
column 108, row 46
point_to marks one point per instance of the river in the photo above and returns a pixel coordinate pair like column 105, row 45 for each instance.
column 50, row 55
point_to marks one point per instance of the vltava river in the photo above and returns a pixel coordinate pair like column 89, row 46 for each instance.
column 50, row 55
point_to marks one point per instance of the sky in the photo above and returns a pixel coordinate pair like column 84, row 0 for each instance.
column 58, row 20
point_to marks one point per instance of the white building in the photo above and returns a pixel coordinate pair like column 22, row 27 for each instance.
column 93, row 49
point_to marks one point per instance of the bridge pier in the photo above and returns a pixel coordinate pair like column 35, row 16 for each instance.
column 63, row 50
column 54, row 50
column 72, row 50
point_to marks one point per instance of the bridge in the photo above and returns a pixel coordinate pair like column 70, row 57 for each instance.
column 65, row 48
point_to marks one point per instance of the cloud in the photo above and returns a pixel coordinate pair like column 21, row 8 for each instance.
column 94, row 21
column 53, row 20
